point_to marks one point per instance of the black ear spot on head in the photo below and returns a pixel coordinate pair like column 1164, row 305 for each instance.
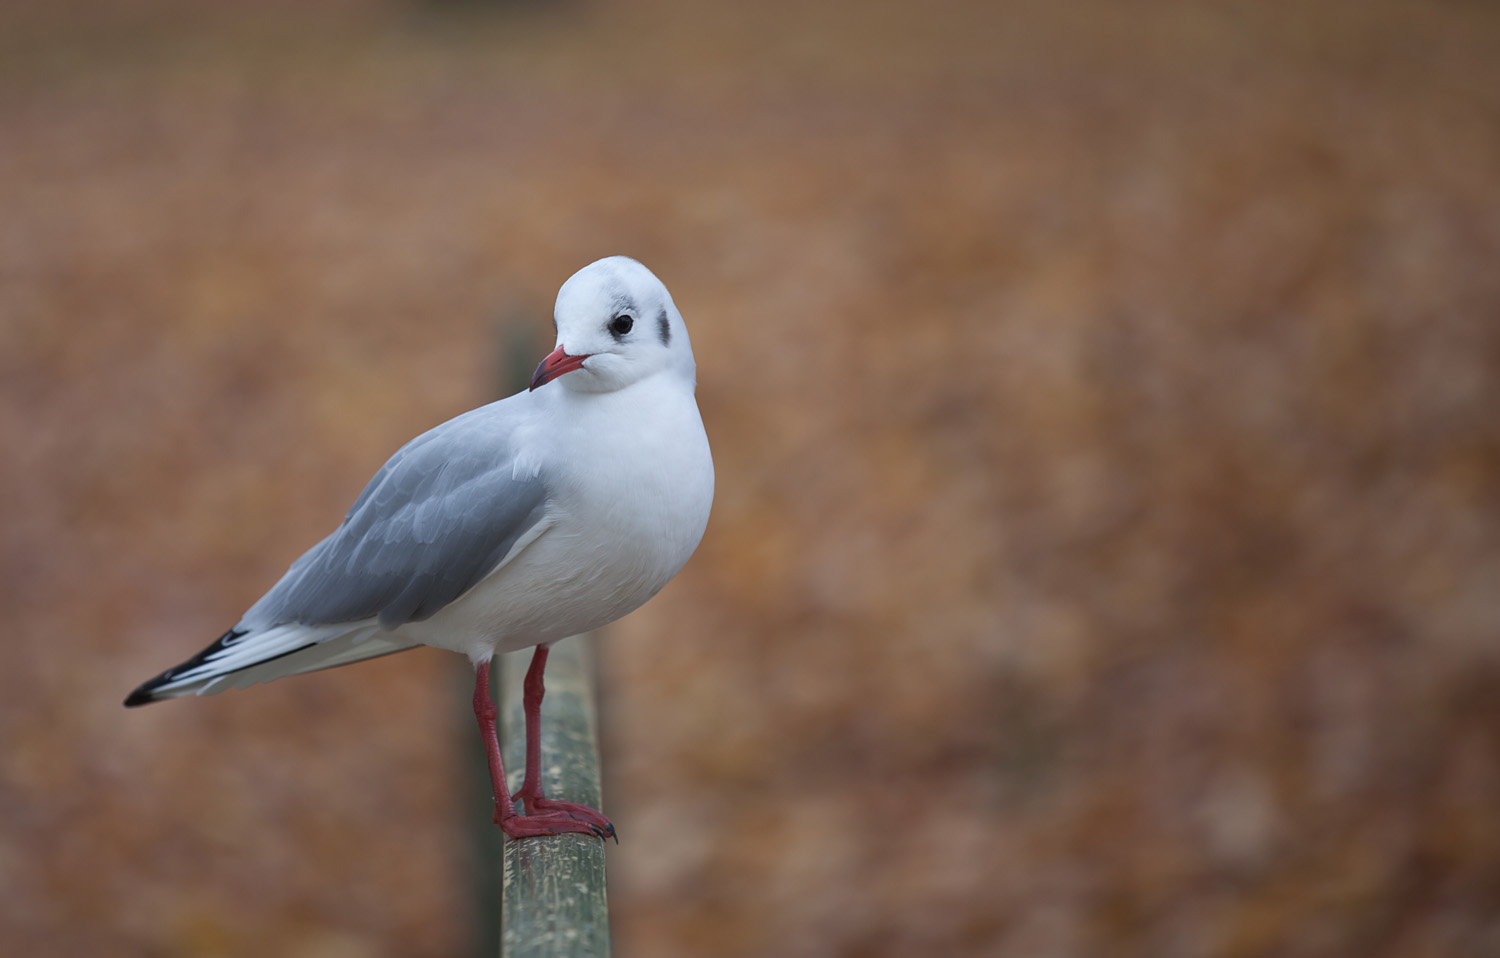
column 664, row 327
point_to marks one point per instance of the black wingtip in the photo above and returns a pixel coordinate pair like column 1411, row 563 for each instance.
column 145, row 695
column 141, row 696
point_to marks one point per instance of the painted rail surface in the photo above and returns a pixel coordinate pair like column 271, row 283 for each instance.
column 553, row 887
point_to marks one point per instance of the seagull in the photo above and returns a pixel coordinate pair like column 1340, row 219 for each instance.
column 549, row 513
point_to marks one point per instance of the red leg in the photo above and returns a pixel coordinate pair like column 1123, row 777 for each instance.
column 514, row 825
column 531, row 789
column 532, row 691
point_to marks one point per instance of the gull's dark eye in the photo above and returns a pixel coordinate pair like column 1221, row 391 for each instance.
column 620, row 325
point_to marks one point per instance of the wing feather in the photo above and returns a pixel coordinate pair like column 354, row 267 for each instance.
column 444, row 512
column 437, row 518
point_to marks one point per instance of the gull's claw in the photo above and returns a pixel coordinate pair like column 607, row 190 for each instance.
column 548, row 823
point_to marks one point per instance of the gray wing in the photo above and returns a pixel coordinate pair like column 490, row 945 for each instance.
column 437, row 518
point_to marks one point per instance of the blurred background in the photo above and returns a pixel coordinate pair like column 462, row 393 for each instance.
column 1106, row 405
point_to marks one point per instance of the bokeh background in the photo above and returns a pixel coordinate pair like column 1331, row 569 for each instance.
column 1106, row 405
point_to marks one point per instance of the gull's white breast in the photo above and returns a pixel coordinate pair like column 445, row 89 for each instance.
column 630, row 483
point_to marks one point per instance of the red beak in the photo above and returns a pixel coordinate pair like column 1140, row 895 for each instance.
column 556, row 363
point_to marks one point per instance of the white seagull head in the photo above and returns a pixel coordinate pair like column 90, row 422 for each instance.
column 616, row 325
